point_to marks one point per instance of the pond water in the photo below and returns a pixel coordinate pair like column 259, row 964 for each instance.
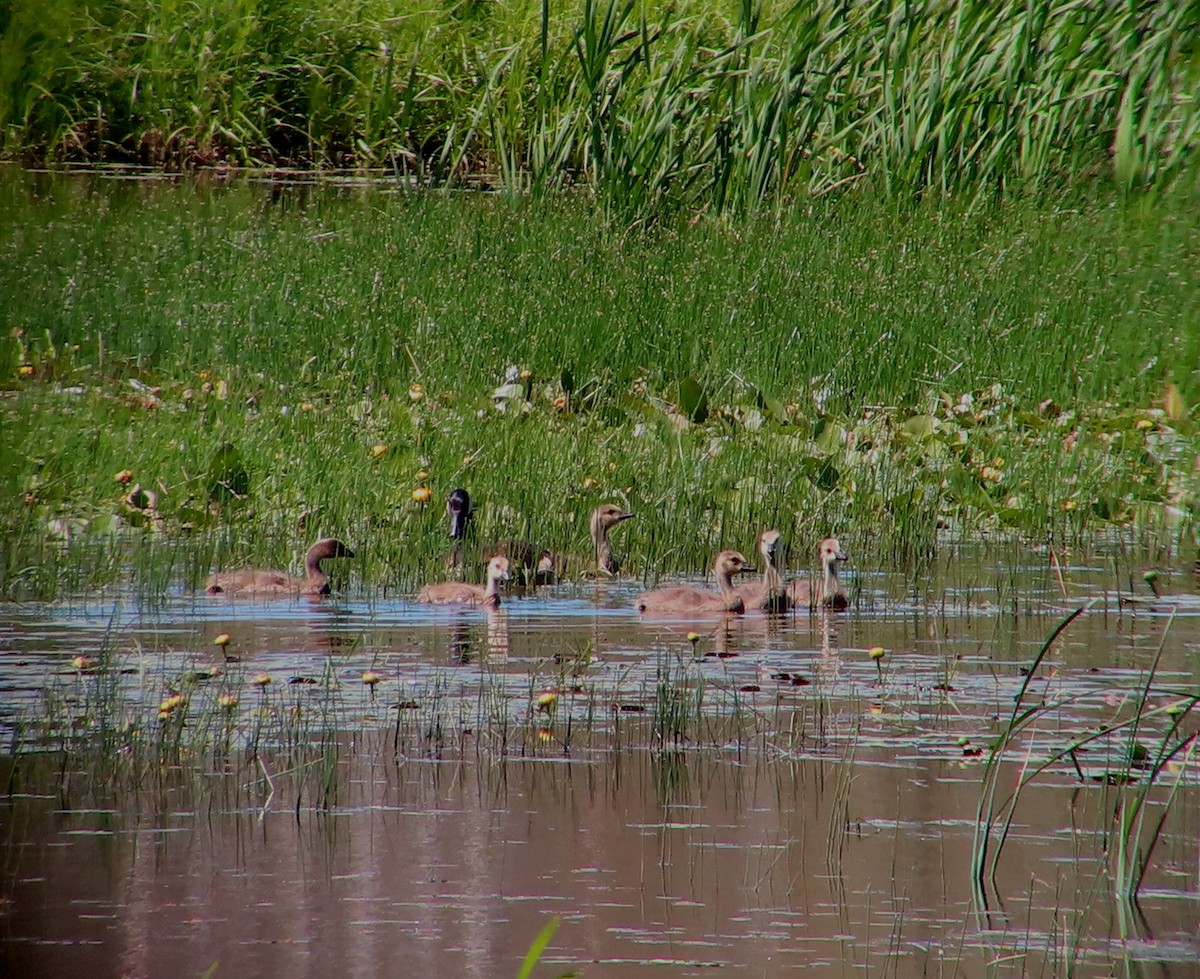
column 766, row 798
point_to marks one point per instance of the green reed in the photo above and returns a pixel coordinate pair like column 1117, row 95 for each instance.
column 651, row 106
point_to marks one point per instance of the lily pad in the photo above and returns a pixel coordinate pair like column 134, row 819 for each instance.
column 693, row 402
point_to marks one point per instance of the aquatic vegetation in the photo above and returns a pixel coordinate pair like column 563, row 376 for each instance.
column 650, row 106
column 898, row 380
column 1133, row 773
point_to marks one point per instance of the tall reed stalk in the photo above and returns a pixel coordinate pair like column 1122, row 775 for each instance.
column 650, row 106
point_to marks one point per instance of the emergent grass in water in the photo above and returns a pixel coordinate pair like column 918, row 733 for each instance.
column 198, row 378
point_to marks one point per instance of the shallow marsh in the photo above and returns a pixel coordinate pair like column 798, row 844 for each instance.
column 766, row 797
column 993, row 411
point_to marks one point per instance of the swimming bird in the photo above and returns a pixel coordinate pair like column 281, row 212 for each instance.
column 604, row 518
column 253, row 581
column 829, row 591
column 770, row 594
column 692, row 598
column 461, row 593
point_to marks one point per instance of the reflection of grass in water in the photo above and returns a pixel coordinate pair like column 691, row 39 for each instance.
column 847, row 364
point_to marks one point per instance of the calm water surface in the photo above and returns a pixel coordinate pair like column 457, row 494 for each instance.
column 766, row 799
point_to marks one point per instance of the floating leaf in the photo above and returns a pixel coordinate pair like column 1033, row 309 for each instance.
column 921, row 425
column 693, row 402
column 772, row 406
column 829, row 436
column 227, row 476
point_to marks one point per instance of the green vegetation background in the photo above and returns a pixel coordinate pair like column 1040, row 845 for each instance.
column 885, row 269
column 694, row 103
column 874, row 370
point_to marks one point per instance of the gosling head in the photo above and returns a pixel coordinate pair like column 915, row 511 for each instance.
column 608, row 515
column 458, row 505
column 830, row 552
column 729, row 563
column 498, row 569
column 329, row 547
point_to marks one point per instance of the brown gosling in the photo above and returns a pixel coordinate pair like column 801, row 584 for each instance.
column 604, row 518
column 692, row 598
column 829, row 591
column 460, row 593
column 255, row 581
column 770, row 594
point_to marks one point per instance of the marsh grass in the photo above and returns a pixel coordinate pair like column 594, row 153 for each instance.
column 1017, row 372
column 651, row 106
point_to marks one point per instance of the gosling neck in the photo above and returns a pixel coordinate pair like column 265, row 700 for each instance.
column 604, row 555
column 829, row 581
column 774, row 589
column 491, row 594
column 733, row 601
column 315, row 578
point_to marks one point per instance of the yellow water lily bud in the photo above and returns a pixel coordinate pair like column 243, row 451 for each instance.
column 876, row 652
column 228, row 701
column 83, row 662
column 1143, row 424
column 422, row 494
column 589, row 483
column 422, row 474
column 416, row 392
column 261, row 679
column 694, row 637
column 25, row 370
column 370, row 678
column 124, row 476
column 547, row 700
column 222, row 640
column 378, row 450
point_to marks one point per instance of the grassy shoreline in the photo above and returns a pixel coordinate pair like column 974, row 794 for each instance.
column 876, row 373
column 652, row 106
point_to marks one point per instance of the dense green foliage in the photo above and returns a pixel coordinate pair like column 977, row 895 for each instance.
column 873, row 372
column 694, row 103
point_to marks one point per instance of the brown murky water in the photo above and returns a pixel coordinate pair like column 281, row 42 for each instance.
column 765, row 799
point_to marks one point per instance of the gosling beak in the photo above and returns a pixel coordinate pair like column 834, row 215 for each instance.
column 748, row 569
column 841, row 556
column 458, row 523
column 625, row 515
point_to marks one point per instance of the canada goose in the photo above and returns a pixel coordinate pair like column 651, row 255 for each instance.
column 829, row 592
column 604, row 518
column 771, row 593
column 691, row 598
column 253, row 581
column 460, row 593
